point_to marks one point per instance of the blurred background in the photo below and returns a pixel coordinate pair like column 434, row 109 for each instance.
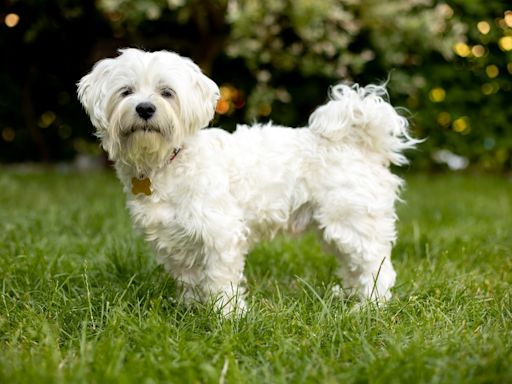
column 448, row 62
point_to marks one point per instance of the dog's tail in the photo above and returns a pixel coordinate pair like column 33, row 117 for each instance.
column 363, row 116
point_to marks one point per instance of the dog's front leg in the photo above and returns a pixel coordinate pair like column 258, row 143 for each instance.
column 224, row 281
column 219, row 282
column 211, row 268
column 218, row 279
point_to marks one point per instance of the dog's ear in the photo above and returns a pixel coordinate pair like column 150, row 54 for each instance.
column 92, row 93
column 204, row 97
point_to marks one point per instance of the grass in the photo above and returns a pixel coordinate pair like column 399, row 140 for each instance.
column 83, row 301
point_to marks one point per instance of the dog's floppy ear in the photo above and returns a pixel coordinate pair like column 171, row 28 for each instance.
column 205, row 97
column 92, row 93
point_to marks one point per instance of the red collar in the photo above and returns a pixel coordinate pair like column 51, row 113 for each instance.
column 174, row 154
column 142, row 184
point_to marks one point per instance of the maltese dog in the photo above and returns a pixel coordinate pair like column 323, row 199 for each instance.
column 204, row 197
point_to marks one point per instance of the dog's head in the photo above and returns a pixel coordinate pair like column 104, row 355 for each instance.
column 144, row 104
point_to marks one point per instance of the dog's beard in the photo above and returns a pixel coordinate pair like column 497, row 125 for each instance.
column 145, row 150
column 142, row 145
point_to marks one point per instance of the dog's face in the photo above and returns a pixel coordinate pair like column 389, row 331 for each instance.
column 144, row 104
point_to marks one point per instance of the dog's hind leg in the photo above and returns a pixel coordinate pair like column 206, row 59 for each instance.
column 363, row 247
column 365, row 275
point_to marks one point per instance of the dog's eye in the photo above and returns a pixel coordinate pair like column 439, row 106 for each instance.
column 167, row 92
column 126, row 92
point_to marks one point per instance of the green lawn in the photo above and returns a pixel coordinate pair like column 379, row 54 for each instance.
column 82, row 299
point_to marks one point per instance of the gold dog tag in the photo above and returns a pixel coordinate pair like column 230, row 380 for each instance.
column 141, row 186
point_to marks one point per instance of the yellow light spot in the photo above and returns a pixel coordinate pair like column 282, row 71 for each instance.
column 11, row 20
column 461, row 125
column 508, row 18
column 226, row 92
column 462, row 49
column 483, row 27
column 8, row 134
column 505, row 43
column 478, row 50
column 487, row 89
column 492, row 71
column 46, row 119
column 444, row 119
column 490, row 88
column 222, row 107
column 265, row 110
column 437, row 95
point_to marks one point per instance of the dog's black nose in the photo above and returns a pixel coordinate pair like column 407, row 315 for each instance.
column 145, row 110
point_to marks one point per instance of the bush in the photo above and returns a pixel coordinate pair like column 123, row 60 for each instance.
column 446, row 62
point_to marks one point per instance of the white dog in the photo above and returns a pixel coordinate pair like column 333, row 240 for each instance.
column 203, row 198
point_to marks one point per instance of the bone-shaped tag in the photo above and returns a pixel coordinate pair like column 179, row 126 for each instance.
column 141, row 186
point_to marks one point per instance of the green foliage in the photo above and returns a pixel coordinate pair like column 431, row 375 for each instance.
column 83, row 301
column 411, row 42
column 471, row 115
column 448, row 62
column 337, row 40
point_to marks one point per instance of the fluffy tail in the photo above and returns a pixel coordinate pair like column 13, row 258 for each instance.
column 362, row 115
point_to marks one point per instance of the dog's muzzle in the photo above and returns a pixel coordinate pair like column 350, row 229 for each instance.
column 144, row 128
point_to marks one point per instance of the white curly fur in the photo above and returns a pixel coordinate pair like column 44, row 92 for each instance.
column 225, row 192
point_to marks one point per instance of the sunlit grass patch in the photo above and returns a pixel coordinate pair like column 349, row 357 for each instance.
column 82, row 299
